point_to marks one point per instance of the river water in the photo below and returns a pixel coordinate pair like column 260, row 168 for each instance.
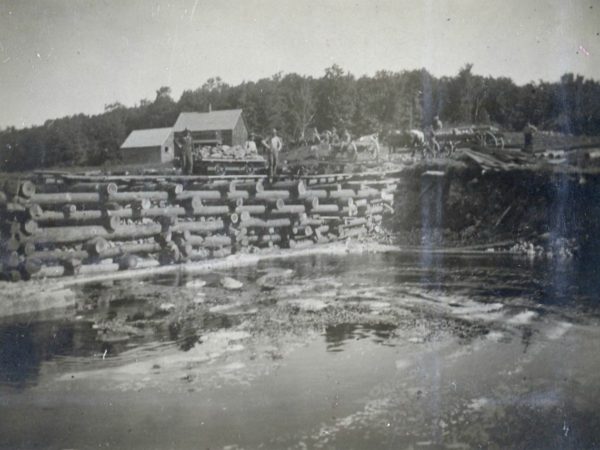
column 380, row 350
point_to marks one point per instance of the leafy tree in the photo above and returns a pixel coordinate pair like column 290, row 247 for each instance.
column 335, row 100
column 298, row 105
column 291, row 103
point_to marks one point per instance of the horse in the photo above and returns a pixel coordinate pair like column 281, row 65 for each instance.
column 413, row 138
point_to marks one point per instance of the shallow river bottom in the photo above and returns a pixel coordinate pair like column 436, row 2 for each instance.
column 363, row 351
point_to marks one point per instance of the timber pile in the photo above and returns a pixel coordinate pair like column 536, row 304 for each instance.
column 227, row 152
column 494, row 159
column 55, row 226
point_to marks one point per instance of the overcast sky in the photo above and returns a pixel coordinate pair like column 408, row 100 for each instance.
column 61, row 57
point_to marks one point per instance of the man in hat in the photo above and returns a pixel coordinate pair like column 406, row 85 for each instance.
column 186, row 145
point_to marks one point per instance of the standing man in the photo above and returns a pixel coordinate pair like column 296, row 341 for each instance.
column 432, row 143
column 437, row 123
column 274, row 146
column 186, row 145
column 335, row 138
column 374, row 146
column 346, row 139
column 528, row 132
column 347, row 146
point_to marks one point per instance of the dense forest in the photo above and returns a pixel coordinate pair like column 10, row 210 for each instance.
column 292, row 103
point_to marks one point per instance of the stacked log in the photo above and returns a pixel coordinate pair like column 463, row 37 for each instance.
column 52, row 227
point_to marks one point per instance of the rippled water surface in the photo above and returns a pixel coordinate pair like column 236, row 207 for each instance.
column 369, row 351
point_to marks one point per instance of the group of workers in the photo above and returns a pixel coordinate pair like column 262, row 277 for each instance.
column 273, row 144
column 343, row 144
column 330, row 136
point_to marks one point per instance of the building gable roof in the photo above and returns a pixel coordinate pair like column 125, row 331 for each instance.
column 147, row 138
column 207, row 121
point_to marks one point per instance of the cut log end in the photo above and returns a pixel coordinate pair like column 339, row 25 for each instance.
column 111, row 188
column 127, row 262
column 35, row 211
column 13, row 260
column 112, row 223
column 96, row 246
column 32, row 266
column 28, row 248
column 30, row 227
column 68, row 209
column 27, row 189
column 12, row 244
column 301, row 188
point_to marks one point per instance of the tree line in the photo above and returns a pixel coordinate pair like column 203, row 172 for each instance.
column 293, row 103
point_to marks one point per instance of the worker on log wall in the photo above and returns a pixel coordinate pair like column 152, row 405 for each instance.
column 186, row 145
column 274, row 147
column 528, row 132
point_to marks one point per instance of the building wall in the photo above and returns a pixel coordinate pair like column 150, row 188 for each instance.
column 200, row 138
column 237, row 136
column 226, row 134
column 168, row 150
column 142, row 155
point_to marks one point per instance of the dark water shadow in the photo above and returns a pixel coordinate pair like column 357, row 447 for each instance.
column 337, row 336
column 25, row 346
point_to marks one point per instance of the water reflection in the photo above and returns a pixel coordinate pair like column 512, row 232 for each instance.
column 25, row 346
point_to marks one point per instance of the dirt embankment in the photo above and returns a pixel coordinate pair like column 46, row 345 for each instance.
column 466, row 206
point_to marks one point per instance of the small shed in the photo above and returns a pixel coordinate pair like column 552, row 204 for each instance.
column 226, row 127
column 152, row 146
